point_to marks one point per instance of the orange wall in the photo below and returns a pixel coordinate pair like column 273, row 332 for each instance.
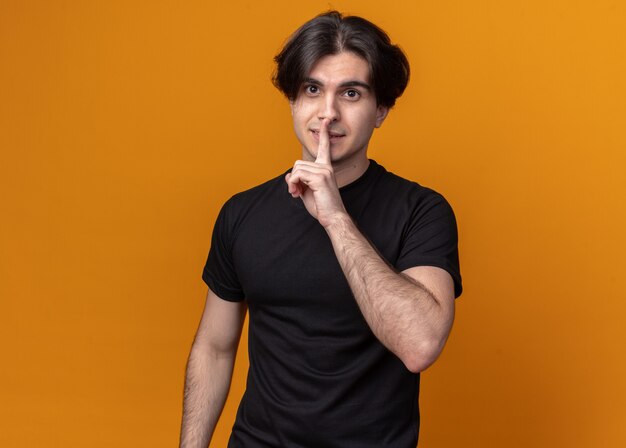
column 124, row 125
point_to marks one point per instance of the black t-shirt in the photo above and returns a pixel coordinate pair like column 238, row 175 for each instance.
column 318, row 377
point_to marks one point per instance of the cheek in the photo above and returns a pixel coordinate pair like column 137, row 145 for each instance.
column 296, row 116
column 364, row 123
column 301, row 109
column 299, row 122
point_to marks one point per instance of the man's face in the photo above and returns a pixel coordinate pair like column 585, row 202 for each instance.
column 337, row 88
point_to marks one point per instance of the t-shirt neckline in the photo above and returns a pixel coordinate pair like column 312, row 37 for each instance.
column 364, row 178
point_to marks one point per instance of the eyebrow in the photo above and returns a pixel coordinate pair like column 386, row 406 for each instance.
column 353, row 83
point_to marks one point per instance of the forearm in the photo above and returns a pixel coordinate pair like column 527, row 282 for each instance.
column 403, row 314
column 206, row 387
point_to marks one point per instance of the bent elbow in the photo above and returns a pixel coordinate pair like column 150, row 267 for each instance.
column 424, row 356
column 418, row 364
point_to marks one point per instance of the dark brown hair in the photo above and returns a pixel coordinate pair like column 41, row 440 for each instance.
column 331, row 33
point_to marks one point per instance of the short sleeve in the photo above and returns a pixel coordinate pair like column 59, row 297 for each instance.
column 219, row 271
column 431, row 238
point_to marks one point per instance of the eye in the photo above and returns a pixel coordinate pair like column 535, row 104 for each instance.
column 311, row 89
column 352, row 94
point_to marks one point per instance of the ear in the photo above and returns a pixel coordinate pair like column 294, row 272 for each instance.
column 381, row 114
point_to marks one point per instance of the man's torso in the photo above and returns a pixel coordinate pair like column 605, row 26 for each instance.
column 318, row 376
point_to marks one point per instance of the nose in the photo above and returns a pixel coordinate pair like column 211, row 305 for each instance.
column 328, row 109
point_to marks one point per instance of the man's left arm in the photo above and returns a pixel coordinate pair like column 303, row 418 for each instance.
column 410, row 312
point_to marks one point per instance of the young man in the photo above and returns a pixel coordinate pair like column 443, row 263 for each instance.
column 349, row 272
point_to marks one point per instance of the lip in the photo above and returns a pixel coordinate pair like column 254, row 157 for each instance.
column 334, row 136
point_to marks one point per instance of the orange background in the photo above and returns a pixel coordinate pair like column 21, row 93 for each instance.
column 124, row 125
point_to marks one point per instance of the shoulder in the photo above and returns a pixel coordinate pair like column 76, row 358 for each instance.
column 258, row 201
column 255, row 195
column 429, row 235
column 409, row 192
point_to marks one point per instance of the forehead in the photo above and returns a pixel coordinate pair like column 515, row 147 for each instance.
column 341, row 67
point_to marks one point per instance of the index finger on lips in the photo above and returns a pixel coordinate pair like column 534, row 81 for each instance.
column 323, row 149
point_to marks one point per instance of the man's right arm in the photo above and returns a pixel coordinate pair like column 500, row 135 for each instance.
column 210, row 368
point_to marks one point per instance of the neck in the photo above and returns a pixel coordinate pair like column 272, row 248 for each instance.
column 349, row 171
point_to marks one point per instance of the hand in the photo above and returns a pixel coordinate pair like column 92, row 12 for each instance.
column 315, row 184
